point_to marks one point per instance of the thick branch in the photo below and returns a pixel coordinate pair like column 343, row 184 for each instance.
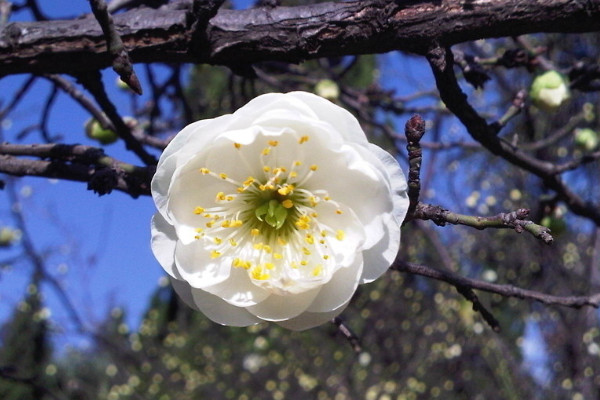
column 293, row 34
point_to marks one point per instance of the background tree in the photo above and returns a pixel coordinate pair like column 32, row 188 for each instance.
column 456, row 315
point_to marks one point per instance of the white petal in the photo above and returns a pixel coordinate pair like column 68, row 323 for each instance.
column 309, row 320
column 379, row 257
column 339, row 289
column 220, row 311
column 196, row 266
column 280, row 308
column 184, row 291
column 239, row 290
column 343, row 121
column 163, row 242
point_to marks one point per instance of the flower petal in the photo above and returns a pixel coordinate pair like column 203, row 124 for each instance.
column 163, row 243
column 239, row 290
column 213, row 307
column 195, row 265
column 309, row 320
column 280, row 308
column 339, row 289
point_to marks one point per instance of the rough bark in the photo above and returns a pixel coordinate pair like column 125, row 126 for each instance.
column 288, row 34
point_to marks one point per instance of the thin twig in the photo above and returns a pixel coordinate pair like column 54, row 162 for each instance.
column 120, row 58
column 414, row 131
column 503, row 290
column 514, row 220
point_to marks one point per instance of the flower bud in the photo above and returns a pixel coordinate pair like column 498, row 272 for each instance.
column 95, row 131
column 586, row 139
column 549, row 90
column 328, row 89
column 9, row 236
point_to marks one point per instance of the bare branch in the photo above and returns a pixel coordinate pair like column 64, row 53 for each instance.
column 504, row 290
column 513, row 220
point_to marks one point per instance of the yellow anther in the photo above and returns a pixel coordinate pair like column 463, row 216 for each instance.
column 266, row 151
column 237, row 145
column 255, row 232
column 198, row 210
column 303, row 262
column 258, row 246
column 205, row 171
column 326, row 198
column 210, row 224
column 340, row 234
column 285, row 190
column 226, row 224
column 322, row 241
column 199, row 230
column 249, row 181
column 293, row 174
column 303, row 139
column 317, row 270
column 267, row 249
column 306, row 251
column 277, row 256
column 230, row 198
column 223, row 175
column 323, row 233
column 207, row 215
column 281, row 241
column 236, row 223
column 241, row 189
column 314, row 167
column 297, row 163
column 276, row 170
column 314, row 214
column 303, row 222
column 266, row 168
column 259, row 274
column 218, row 240
column 262, row 187
column 287, row 203
column 220, row 196
column 313, row 201
column 294, row 264
column 325, row 257
column 232, row 242
column 309, row 239
column 269, row 265
column 273, row 143
column 214, row 254
column 339, row 212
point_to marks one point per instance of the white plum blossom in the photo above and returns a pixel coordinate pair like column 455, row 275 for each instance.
column 276, row 212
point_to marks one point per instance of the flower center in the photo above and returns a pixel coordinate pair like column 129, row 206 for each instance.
column 269, row 225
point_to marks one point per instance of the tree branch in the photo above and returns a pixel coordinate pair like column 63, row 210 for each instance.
column 504, row 290
column 76, row 163
column 292, row 34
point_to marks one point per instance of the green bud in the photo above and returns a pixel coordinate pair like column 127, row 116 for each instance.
column 328, row 89
column 586, row 139
column 95, row 131
column 549, row 90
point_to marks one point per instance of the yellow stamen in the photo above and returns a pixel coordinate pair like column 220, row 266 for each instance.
column 266, row 151
column 237, row 145
column 255, row 232
column 317, row 270
column 232, row 242
column 220, row 196
column 223, row 175
column 309, row 239
column 205, row 171
column 314, row 167
column 338, row 211
column 198, row 210
column 306, row 251
column 303, row 139
column 266, row 168
column 218, row 240
column 287, row 203
column 340, row 234
column 214, row 254
column 273, row 143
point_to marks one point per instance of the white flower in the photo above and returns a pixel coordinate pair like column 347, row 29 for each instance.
column 276, row 212
column 549, row 90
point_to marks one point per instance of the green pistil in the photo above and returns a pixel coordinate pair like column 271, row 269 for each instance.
column 273, row 213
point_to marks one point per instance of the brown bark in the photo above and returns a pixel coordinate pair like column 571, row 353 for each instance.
column 288, row 34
